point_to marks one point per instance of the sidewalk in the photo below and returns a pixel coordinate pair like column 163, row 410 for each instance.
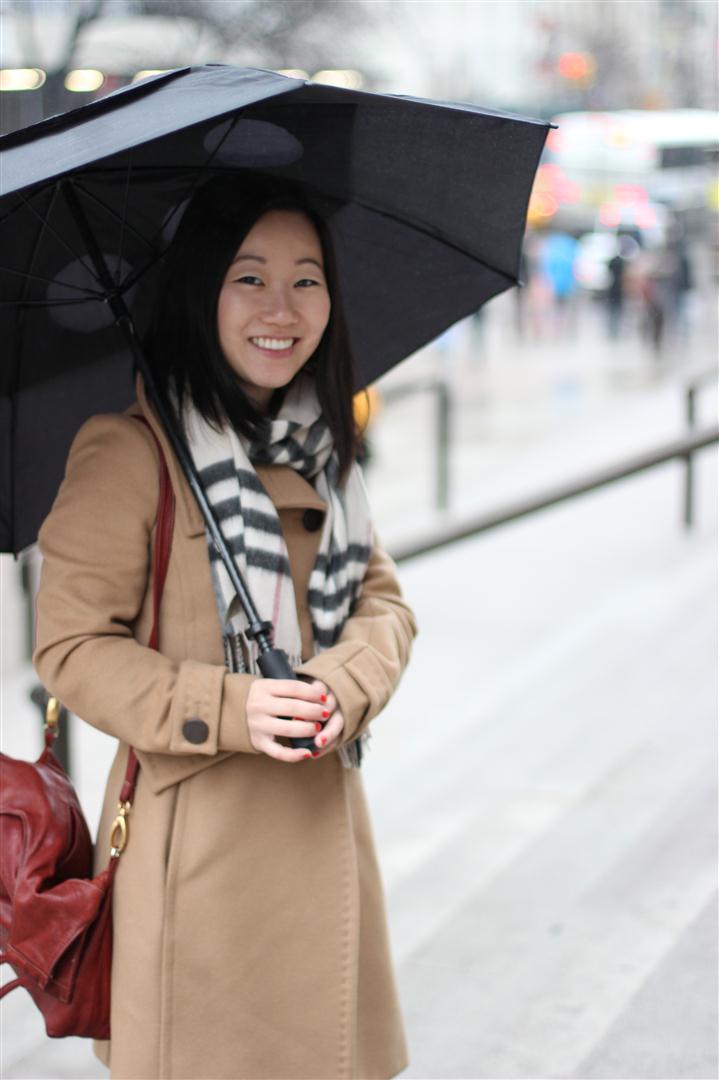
column 544, row 794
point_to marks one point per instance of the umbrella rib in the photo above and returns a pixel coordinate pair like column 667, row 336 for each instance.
column 123, row 222
column 423, row 228
column 89, row 294
column 197, row 176
column 135, row 276
column 115, row 216
column 61, row 240
column 39, row 236
column 48, row 303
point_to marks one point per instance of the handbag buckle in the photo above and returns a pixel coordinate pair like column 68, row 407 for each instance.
column 52, row 716
column 118, row 831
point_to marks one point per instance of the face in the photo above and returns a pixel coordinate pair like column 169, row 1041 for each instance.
column 274, row 303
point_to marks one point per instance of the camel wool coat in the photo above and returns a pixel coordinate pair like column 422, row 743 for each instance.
column 250, row 935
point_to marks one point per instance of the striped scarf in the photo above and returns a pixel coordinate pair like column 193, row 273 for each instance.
column 300, row 438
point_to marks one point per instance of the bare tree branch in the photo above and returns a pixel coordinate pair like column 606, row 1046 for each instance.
column 283, row 33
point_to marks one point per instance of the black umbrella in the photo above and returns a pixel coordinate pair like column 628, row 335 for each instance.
column 433, row 194
column 426, row 203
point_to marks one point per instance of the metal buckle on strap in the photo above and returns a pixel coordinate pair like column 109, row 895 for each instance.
column 52, row 716
column 118, row 830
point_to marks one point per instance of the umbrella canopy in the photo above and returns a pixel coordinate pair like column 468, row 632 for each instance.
column 426, row 203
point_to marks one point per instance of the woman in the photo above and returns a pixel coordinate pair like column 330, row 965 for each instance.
column 249, row 928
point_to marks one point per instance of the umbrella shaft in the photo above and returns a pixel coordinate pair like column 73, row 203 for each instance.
column 259, row 630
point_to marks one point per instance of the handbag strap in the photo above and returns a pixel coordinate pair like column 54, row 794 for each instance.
column 161, row 558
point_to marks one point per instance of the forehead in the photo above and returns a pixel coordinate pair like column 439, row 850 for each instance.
column 291, row 227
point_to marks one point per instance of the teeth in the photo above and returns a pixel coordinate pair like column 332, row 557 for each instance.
column 272, row 343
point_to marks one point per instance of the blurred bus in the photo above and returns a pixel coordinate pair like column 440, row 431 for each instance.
column 614, row 169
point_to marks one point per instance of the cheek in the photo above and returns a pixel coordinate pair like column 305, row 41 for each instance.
column 323, row 314
column 233, row 312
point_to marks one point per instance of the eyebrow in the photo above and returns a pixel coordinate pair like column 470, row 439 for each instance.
column 259, row 258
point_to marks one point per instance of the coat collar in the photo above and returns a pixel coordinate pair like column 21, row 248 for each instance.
column 285, row 487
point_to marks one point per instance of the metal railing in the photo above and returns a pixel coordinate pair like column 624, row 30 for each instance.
column 437, row 538
column 700, row 377
column 684, row 448
column 443, row 427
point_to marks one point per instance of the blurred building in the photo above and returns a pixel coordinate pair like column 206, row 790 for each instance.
column 657, row 54
column 549, row 56
column 535, row 56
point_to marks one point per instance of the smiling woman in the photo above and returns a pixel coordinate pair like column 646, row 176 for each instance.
column 251, row 259
column 249, row 931
column 270, row 315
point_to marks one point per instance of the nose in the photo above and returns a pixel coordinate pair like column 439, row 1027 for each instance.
column 279, row 307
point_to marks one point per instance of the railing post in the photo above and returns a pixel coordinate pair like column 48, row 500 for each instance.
column 443, row 429
column 689, row 461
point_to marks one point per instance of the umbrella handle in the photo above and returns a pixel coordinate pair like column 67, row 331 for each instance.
column 275, row 664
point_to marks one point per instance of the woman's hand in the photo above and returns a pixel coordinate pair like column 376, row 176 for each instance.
column 329, row 738
column 293, row 709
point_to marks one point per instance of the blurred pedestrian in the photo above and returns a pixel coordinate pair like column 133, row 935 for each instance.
column 656, row 272
column 249, row 929
column 557, row 264
column 682, row 283
column 616, row 293
column 521, row 293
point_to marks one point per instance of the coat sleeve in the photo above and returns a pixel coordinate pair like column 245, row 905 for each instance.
column 365, row 665
column 96, row 548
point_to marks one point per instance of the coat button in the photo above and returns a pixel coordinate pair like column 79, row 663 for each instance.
column 195, row 731
column 312, row 520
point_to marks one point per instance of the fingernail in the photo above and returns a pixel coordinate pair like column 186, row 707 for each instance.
column 318, row 727
column 315, row 753
column 325, row 713
column 307, row 757
column 323, row 697
column 323, row 740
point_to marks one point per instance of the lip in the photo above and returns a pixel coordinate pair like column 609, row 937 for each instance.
column 277, row 353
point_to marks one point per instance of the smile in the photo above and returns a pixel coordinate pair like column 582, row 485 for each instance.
column 273, row 344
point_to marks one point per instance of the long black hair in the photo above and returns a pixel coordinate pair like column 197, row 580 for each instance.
column 182, row 344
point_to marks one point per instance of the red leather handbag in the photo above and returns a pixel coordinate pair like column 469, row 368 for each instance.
column 55, row 918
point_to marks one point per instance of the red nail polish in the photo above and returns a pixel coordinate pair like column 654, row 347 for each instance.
column 323, row 697
column 307, row 757
column 325, row 713
column 315, row 753
column 318, row 727
column 323, row 741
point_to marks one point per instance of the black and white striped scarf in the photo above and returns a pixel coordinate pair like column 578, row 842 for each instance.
column 298, row 437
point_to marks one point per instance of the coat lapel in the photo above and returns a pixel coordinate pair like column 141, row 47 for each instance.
column 285, row 487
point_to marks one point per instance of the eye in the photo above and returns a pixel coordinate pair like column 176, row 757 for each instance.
column 248, row 279
column 307, row 281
